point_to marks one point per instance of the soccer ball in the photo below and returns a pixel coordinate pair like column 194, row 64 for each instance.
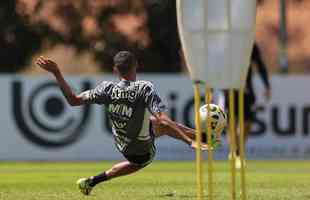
column 217, row 117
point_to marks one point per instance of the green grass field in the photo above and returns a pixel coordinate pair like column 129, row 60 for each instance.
column 276, row 180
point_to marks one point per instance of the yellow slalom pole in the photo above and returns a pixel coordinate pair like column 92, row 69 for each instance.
column 199, row 163
column 210, row 153
column 242, row 145
column 232, row 138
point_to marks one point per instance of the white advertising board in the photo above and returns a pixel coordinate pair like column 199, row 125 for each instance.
column 37, row 123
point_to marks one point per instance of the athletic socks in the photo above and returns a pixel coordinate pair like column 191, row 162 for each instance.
column 98, row 179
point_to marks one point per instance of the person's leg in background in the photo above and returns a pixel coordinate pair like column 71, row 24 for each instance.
column 249, row 101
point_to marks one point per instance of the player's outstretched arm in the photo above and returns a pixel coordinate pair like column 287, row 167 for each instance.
column 177, row 132
column 51, row 66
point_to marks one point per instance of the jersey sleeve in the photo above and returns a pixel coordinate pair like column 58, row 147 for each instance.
column 153, row 101
column 98, row 95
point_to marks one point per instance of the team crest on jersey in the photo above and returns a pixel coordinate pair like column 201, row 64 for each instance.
column 119, row 93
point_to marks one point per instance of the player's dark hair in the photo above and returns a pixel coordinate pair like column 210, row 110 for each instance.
column 124, row 61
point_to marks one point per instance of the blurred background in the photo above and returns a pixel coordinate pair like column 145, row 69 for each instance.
column 83, row 35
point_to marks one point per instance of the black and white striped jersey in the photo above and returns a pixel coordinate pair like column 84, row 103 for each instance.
column 129, row 105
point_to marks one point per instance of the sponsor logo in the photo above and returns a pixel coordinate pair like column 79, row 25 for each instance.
column 119, row 93
column 43, row 116
column 121, row 110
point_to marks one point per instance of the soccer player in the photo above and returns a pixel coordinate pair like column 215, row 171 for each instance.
column 249, row 95
column 136, row 112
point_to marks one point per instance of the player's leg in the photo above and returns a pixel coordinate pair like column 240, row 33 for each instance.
column 247, row 129
column 120, row 169
column 133, row 164
column 192, row 133
column 160, row 130
column 249, row 100
column 236, row 106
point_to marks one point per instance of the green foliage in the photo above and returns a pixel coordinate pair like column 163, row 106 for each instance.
column 18, row 41
column 101, row 28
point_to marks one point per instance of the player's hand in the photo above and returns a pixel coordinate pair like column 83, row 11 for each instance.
column 47, row 65
column 203, row 147
column 267, row 94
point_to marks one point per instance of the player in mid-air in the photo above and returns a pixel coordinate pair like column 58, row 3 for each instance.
column 136, row 112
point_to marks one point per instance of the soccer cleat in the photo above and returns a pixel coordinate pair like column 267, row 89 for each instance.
column 84, row 185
